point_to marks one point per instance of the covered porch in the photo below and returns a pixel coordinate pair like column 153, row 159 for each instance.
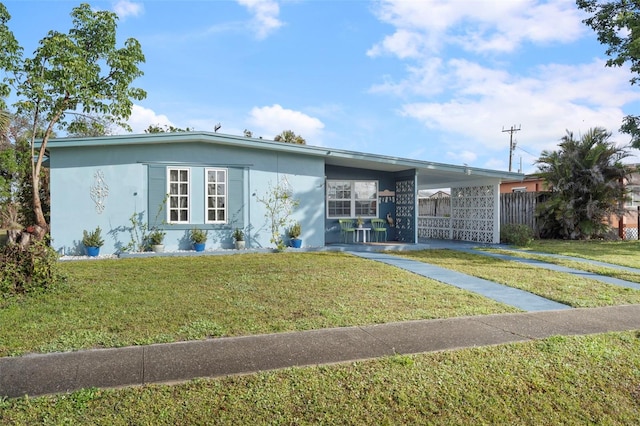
column 474, row 215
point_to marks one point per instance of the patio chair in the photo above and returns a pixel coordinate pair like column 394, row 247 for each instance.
column 346, row 229
column 379, row 229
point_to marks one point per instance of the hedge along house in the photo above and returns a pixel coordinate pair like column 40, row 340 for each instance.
column 180, row 181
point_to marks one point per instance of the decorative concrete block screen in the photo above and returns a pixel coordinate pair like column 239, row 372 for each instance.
column 405, row 210
column 472, row 213
column 437, row 228
column 472, row 217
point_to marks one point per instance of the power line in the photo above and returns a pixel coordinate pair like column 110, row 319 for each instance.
column 512, row 144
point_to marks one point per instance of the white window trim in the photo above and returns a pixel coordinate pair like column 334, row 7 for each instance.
column 206, row 195
column 169, row 170
column 352, row 213
column 634, row 196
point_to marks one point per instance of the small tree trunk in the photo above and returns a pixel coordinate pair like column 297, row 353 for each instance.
column 19, row 237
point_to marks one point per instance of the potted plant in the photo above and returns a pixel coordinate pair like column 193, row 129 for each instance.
column 294, row 234
column 156, row 239
column 360, row 222
column 199, row 238
column 92, row 241
column 238, row 236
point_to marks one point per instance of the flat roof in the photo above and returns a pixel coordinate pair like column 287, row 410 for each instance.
column 430, row 174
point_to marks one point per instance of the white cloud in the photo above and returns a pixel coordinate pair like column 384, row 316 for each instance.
column 403, row 43
column 556, row 98
column 265, row 16
column 457, row 83
column 125, row 8
column 424, row 27
column 270, row 121
column 462, row 157
column 141, row 118
column 425, row 79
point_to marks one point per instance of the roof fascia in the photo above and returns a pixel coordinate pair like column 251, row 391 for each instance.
column 266, row 144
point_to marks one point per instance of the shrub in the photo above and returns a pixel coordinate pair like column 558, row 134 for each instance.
column 92, row 238
column 516, row 234
column 295, row 230
column 28, row 270
column 199, row 236
column 156, row 237
column 238, row 234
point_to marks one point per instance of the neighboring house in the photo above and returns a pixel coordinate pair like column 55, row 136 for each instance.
column 528, row 184
column 212, row 181
column 626, row 227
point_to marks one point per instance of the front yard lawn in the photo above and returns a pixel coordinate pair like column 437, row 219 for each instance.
column 109, row 303
column 560, row 380
column 617, row 252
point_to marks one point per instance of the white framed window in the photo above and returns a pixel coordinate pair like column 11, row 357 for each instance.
column 352, row 198
column 216, row 196
column 633, row 196
column 178, row 186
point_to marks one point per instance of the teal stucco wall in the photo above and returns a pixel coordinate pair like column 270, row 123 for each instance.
column 134, row 183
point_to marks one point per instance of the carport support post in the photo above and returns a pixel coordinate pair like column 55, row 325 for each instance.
column 416, row 207
column 496, row 210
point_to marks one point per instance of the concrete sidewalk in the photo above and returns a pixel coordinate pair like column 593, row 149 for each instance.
column 164, row 363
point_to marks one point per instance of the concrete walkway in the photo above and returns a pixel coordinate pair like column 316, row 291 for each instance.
column 168, row 363
column 511, row 296
column 565, row 269
column 572, row 258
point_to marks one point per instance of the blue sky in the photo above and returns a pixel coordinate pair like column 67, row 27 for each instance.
column 428, row 80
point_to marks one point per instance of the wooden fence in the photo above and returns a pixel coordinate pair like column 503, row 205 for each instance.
column 438, row 207
column 519, row 208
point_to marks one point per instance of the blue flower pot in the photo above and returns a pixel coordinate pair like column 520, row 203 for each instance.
column 93, row 251
column 198, row 246
column 296, row 243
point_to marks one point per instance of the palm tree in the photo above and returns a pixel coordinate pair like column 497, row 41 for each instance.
column 586, row 179
column 288, row 136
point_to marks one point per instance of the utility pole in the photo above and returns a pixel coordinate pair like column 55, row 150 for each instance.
column 512, row 144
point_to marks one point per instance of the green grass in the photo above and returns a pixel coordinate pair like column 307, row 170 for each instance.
column 617, row 252
column 561, row 287
column 110, row 303
column 561, row 380
column 574, row 264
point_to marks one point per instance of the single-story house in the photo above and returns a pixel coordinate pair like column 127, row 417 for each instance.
column 185, row 180
column 530, row 183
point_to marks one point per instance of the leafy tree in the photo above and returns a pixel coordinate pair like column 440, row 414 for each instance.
column 16, row 191
column 586, row 179
column 5, row 119
column 279, row 204
column 90, row 125
column 288, row 136
column 81, row 71
column 617, row 24
column 166, row 129
column 10, row 53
